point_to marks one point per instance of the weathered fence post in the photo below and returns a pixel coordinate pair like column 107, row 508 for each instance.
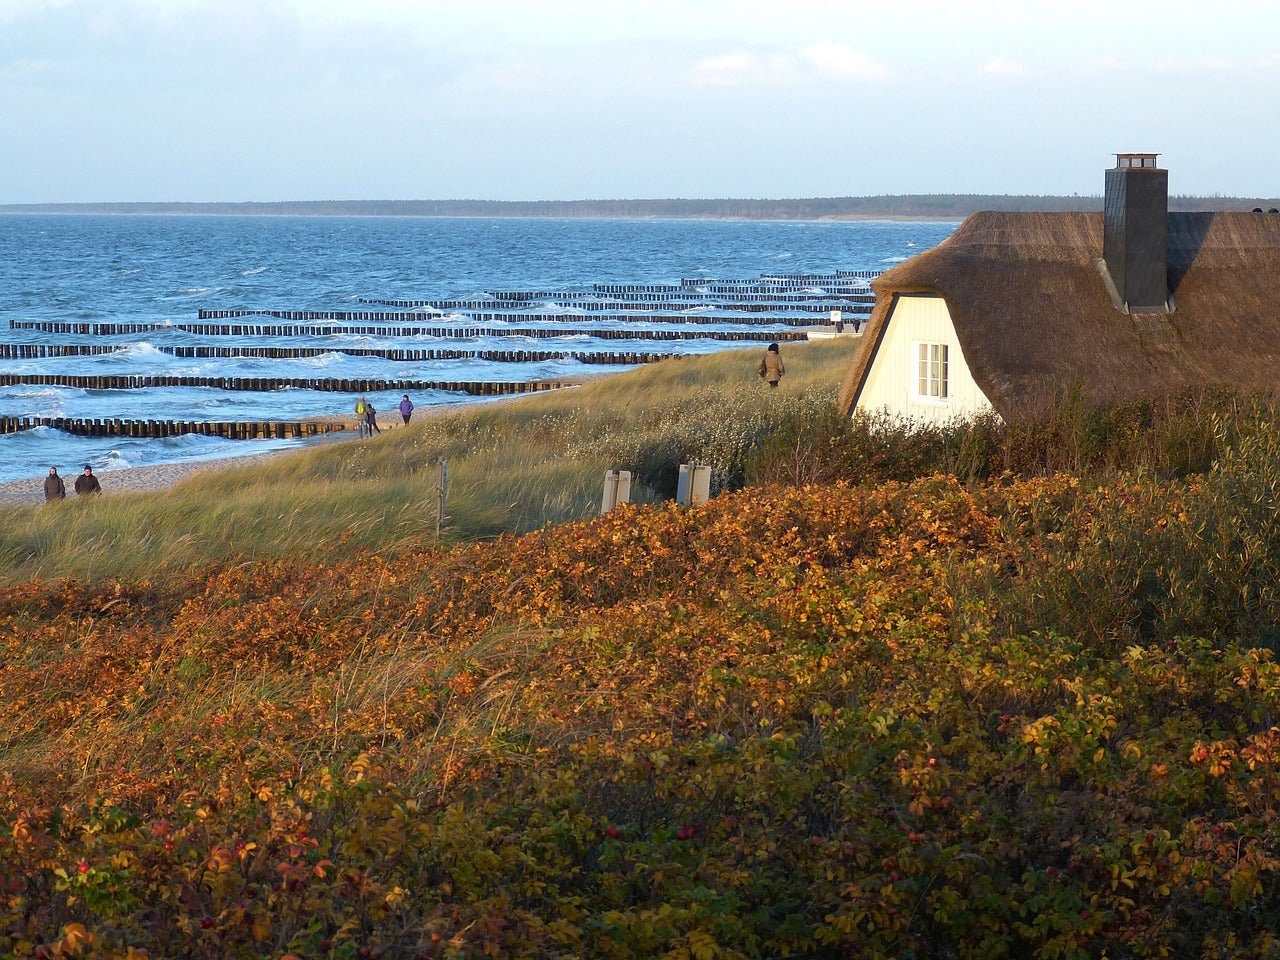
column 441, row 493
column 694, row 484
column 617, row 489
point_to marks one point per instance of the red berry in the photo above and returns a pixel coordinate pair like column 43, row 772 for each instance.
column 613, row 833
column 83, row 867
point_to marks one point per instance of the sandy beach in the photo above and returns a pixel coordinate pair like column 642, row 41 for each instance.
column 153, row 477
column 159, row 476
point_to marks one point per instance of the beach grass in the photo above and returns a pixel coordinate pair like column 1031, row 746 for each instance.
column 513, row 465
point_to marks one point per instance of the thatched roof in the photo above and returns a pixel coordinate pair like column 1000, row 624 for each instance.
column 1033, row 314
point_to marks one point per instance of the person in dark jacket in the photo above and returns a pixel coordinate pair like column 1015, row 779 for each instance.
column 371, row 418
column 54, row 488
column 87, row 483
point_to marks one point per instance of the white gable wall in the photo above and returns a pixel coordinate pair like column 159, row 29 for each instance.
column 892, row 382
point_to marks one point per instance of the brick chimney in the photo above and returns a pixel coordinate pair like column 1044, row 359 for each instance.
column 1135, row 235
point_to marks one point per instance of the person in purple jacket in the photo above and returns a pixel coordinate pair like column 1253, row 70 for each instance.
column 406, row 408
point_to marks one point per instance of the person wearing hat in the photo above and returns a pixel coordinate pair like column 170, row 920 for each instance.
column 54, row 488
column 87, row 483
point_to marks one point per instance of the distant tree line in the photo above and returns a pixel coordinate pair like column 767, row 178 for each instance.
column 937, row 206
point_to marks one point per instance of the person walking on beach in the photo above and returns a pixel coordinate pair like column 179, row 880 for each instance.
column 771, row 367
column 362, row 416
column 87, row 483
column 54, row 488
column 371, row 418
column 406, row 408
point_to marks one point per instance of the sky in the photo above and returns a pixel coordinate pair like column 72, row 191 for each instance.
column 266, row 100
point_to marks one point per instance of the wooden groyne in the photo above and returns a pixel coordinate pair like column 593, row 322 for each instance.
column 641, row 305
column 443, row 333
column 481, row 388
column 153, row 429
column 38, row 351
column 845, row 290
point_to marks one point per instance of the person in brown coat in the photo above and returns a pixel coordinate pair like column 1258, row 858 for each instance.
column 771, row 367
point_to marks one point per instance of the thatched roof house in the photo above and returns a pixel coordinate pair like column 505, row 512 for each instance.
column 1015, row 306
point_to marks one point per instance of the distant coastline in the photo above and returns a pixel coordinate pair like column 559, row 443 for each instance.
column 902, row 207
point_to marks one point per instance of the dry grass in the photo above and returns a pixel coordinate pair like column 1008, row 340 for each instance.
column 513, row 465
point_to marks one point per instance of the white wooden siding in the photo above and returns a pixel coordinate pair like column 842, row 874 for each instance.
column 892, row 380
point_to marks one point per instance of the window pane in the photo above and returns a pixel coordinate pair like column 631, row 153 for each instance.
column 932, row 370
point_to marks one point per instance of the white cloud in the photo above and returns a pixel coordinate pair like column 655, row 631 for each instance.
column 820, row 62
column 1006, row 67
column 729, row 68
column 839, row 61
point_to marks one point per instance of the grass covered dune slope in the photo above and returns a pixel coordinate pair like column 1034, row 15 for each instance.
column 513, row 466
column 1025, row 717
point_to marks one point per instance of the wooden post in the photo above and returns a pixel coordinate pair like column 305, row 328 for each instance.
column 441, row 493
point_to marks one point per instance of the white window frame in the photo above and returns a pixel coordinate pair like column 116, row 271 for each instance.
column 932, row 374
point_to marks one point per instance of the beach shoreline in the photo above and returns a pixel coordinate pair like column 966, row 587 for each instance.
column 153, row 476
column 159, row 476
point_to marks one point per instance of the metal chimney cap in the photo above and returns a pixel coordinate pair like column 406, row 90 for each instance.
column 1137, row 161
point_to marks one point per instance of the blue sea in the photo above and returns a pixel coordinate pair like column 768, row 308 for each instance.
column 162, row 270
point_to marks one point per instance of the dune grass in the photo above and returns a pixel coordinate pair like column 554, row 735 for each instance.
column 513, row 466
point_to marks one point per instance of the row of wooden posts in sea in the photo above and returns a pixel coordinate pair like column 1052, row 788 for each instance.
column 497, row 315
column 37, row 351
column 814, row 293
column 155, row 429
column 100, row 329
column 142, row 381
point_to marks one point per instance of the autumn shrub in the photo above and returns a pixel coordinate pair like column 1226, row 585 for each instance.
column 818, row 444
column 825, row 721
column 1219, row 573
column 1174, row 436
column 1133, row 559
column 1169, row 438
